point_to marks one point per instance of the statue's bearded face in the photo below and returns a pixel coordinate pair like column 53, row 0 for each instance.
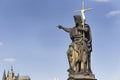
column 78, row 20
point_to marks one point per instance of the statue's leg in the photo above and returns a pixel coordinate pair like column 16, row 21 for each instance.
column 76, row 57
column 89, row 64
column 73, row 58
column 70, row 60
column 84, row 62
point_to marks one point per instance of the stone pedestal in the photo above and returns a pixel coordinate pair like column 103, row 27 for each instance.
column 80, row 79
column 79, row 76
column 85, row 79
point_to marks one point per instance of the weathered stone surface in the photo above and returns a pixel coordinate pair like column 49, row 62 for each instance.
column 79, row 51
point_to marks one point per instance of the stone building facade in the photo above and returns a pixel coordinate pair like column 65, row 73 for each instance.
column 11, row 76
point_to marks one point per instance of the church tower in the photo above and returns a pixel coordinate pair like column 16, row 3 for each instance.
column 4, row 76
column 10, row 74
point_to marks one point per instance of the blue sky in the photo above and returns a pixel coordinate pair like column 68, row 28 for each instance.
column 31, row 43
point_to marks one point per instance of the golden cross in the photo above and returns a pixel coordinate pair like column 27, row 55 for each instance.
column 83, row 10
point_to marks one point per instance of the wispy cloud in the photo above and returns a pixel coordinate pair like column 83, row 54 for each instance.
column 102, row 0
column 9, row 60
column 113, row 13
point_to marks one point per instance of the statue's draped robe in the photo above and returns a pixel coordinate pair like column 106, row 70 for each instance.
column 80, row 49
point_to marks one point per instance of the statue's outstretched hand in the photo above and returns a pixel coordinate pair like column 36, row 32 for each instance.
column 59, row 26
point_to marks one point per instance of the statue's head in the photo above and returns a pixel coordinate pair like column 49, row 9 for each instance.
column 78, row 20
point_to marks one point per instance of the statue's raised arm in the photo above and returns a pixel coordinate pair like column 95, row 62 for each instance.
column 65, row 29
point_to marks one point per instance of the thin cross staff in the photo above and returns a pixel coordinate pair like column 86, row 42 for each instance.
column 82, row 11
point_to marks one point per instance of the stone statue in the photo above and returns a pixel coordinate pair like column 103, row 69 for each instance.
column 80, row 48
column 79, row 51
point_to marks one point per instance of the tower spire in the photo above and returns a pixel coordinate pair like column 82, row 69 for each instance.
column 4, row 75
column 12, row 68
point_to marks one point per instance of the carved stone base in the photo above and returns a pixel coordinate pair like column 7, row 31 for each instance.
column 79, row 76
column 81, row 79
column 85, row 79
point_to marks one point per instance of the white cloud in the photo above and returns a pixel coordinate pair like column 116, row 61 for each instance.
column 9, row 60
column 102, row 0
column 113, row 13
